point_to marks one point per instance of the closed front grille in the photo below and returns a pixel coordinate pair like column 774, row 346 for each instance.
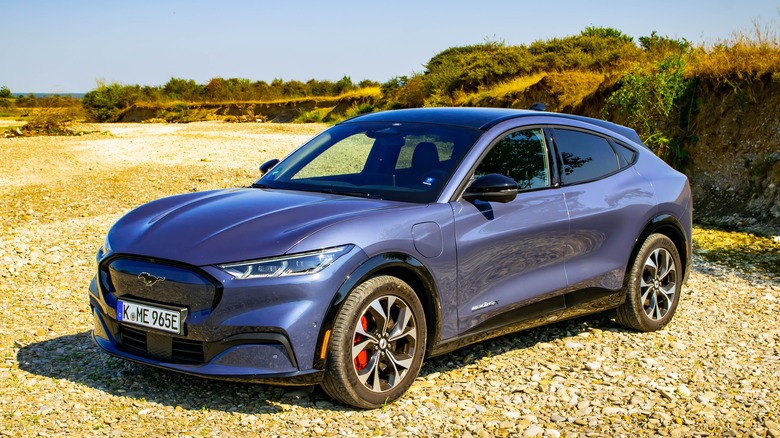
column 160, row 347
column 160, row 282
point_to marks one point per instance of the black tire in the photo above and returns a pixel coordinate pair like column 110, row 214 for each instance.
column 377, row 345
column 652, row 286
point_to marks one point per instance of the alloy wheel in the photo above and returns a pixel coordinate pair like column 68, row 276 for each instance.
column 658, row 284
column 384, row 343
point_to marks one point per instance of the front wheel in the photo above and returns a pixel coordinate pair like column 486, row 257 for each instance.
column 653, row 286
column 378, row 343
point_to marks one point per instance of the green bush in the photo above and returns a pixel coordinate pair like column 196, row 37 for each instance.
column 5, row 93
column 595, row 48
column 359, row 108
column 648, row 99
column 472, row 68
column 656, row 44
column 314, row 116
column 107, row 102
column 468, row 68
column 178, row 112
column 183, row 89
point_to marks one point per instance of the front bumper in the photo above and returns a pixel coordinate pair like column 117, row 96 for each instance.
column 265, row 330
column 256, row 357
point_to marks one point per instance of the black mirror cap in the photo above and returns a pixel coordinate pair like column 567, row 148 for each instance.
column 493, row 187
column 268, row 165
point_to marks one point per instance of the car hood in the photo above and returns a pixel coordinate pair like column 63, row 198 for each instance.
column 232, row 225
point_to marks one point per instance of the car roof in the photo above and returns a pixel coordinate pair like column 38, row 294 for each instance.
column 482, row 118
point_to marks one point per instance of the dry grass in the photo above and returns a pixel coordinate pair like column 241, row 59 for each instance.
column 570, row 88
column 745, row 55
column 368, row 92
column 502, row 90
column 565, row 89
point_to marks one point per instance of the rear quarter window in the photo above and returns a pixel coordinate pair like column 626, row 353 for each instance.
column 626, row 155
column 584, row 156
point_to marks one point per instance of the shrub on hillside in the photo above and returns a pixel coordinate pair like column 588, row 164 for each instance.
column 471, row 68
column 184, row 90
column 595, row 48
column 403, row 92
column 647, row 100
column 468, row 68
column 662, row 45
column 106, row 103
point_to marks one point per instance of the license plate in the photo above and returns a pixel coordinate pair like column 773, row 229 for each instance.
column 167, row 320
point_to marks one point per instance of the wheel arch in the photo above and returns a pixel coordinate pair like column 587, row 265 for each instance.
column 399, row 265
column 670, row 227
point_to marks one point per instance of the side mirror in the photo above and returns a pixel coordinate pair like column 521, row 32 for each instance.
column 268, row 165
column 492, row 188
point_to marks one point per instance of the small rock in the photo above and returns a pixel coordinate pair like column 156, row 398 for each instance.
column 533, row 430
column 593, row 366
column 773, row 429
column 296, row 394
column 706, row 397
column 649, row 362
column 512, row 415
column 612, row 411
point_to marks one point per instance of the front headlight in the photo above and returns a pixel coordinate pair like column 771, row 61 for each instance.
column 106, row 245
column 294, row 264
column 103, row 250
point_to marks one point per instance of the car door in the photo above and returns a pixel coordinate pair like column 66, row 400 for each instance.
column 511, row 254
column 608, row 202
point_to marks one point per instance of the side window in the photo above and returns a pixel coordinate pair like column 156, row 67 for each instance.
column 584, row 156
column 520, row 155
column 625, row 154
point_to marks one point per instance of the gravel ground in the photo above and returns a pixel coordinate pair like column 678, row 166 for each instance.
column 713, row 371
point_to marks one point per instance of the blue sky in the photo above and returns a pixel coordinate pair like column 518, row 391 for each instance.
column 58, row 46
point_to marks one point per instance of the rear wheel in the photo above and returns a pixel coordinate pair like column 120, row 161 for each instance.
column 377, row 346
column 653, row 286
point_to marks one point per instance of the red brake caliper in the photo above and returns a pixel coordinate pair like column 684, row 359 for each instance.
column 361, row 361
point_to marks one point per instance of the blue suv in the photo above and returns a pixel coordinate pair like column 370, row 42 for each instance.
column 392, row 237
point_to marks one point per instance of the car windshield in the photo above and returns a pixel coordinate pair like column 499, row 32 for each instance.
column 408, row 162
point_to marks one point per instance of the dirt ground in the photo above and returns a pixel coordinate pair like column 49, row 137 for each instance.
column 60, row 195
column 712, row 372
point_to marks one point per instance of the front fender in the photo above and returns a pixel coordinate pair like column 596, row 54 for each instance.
column 400, row 265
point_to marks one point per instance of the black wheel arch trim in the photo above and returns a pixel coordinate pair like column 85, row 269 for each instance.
column 662, row 223
column 403, row 266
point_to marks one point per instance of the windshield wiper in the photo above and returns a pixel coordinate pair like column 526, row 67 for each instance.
column 354, row 193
